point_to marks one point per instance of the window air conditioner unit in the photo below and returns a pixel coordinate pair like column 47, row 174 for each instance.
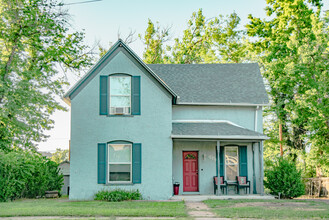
column 121, row 110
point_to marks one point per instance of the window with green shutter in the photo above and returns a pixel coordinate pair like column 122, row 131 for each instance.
column 119, row 162
column 235, row 162
column 120, row 95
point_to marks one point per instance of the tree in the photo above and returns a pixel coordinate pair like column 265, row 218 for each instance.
column 60, row 155
column 204, row 41
column 35, row 41
column 154, row 39
column 228, row 41
column 293, row 51
column 195, row 45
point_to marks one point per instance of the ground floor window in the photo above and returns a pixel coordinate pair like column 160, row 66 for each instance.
column 120, row 168
column 231, row 163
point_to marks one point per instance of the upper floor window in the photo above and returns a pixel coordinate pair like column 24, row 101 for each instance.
column 120, row 95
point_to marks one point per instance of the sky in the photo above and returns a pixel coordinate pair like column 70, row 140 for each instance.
column 103, row 20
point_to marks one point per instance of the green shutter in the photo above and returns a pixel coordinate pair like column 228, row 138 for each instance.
column 101, row 164
column 216, row 161
column 135, row 95
column 103, row 95
column 243, row 161
column 137, row 163
column 222, row 162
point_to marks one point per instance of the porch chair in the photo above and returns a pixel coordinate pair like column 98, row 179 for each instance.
column 242, row 183
column 222, row 184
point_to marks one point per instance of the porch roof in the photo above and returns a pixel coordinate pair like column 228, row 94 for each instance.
column 214, row 130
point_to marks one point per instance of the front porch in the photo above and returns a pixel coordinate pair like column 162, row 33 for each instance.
column 198, row 158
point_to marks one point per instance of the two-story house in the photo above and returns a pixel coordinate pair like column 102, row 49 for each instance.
column 139, row 126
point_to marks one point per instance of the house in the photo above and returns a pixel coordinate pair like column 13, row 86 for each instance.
column 146, row 127
column 64, row 168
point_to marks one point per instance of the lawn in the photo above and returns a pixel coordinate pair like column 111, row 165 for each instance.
column 270, row 209
column 64, row 207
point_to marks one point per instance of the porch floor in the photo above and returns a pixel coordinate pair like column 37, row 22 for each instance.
column 196, row 198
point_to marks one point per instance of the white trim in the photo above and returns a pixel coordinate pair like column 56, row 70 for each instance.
column 119, row 163
column 207, row 121
column 230, row 137
column 228, row 104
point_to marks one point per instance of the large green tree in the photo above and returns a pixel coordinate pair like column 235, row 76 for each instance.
column 292, row 46
column 154, row 39
column 204, row 40
column 35, row 41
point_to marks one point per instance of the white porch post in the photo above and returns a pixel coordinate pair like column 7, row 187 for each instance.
column 261, row 161
column 219, row 192
column 254, row 191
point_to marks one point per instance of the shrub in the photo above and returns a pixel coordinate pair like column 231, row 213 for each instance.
column 27, row 174
column 283, row 177
column 118, row 195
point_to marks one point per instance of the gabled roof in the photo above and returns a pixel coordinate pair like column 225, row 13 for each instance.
column 214, row 130
column 214, row 84
column 99, row 65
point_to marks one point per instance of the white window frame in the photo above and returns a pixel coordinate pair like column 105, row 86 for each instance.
column 123, row 163
column 109, row 91
column 238, row 171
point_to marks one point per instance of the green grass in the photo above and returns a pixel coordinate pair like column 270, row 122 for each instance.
column 269, row 209
column 64, row 207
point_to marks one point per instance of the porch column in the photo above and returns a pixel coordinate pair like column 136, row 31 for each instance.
column 261, row 161
column 219, row 192
column 254, row 191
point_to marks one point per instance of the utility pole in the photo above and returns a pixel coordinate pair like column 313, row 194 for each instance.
column 280, row 138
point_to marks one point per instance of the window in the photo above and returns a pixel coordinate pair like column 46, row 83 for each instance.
column 231, row 163
column 120, row 95
column 120, row 168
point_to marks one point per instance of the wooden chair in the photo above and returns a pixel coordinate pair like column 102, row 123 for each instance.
column 242, row 183
column 222, row 184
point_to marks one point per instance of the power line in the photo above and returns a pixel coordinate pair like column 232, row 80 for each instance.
column 77, row 3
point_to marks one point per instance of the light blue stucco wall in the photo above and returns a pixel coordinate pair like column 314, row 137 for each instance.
column 152, row 128
column 206, row 161
column 241, row 115
column 207, row 164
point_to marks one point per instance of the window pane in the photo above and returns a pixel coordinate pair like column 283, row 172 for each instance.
column 120, row 153
column 120, row 101
column 119, row 172
column 231, row 155
column 120, row 85
column 231, row 172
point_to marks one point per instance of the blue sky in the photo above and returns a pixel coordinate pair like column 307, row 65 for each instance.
column 102, row 20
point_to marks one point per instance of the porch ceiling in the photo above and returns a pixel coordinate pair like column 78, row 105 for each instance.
column 218, row 130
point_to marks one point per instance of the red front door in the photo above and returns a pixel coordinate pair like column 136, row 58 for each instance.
column 190, row 171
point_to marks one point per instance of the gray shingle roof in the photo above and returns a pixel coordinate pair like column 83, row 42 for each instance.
column 221, row 130
column 214, row 83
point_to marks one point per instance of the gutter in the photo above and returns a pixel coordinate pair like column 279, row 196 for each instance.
column 222, row 137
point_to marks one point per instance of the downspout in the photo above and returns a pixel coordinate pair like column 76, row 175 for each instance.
column 256, row 117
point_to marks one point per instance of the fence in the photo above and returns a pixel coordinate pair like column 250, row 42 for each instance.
column 318, row 186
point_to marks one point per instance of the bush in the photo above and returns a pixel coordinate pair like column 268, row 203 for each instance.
column 26, row 174
column 283, row 177
column 118, row 195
